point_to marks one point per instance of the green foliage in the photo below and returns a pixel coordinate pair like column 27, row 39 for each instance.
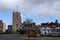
column 56, row 22
column 8, row 32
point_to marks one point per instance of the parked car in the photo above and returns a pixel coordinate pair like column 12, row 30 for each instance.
column 45, row 32
column 50, row 32
column 55, row 32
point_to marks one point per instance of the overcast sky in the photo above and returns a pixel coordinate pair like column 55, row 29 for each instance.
column 37, row 10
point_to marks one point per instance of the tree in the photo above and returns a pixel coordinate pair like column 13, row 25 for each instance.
column 56, row 22
column 28, row 21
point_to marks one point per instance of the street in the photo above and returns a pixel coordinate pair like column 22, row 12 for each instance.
column 9, row 37
column 19, row 37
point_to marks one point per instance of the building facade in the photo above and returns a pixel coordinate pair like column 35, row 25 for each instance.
column 44, row 24
column 9, row 28
column 1, row 26
column 16, row 21
column 4, row 27
column 52, row 25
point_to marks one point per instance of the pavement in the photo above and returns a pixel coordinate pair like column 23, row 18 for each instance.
column 24, row 37
column 9, row 37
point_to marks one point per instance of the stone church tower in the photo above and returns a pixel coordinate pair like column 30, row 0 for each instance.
column 16, row 21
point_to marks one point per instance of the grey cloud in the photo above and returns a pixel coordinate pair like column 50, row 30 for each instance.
column 37, row 7
column 36, row 2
